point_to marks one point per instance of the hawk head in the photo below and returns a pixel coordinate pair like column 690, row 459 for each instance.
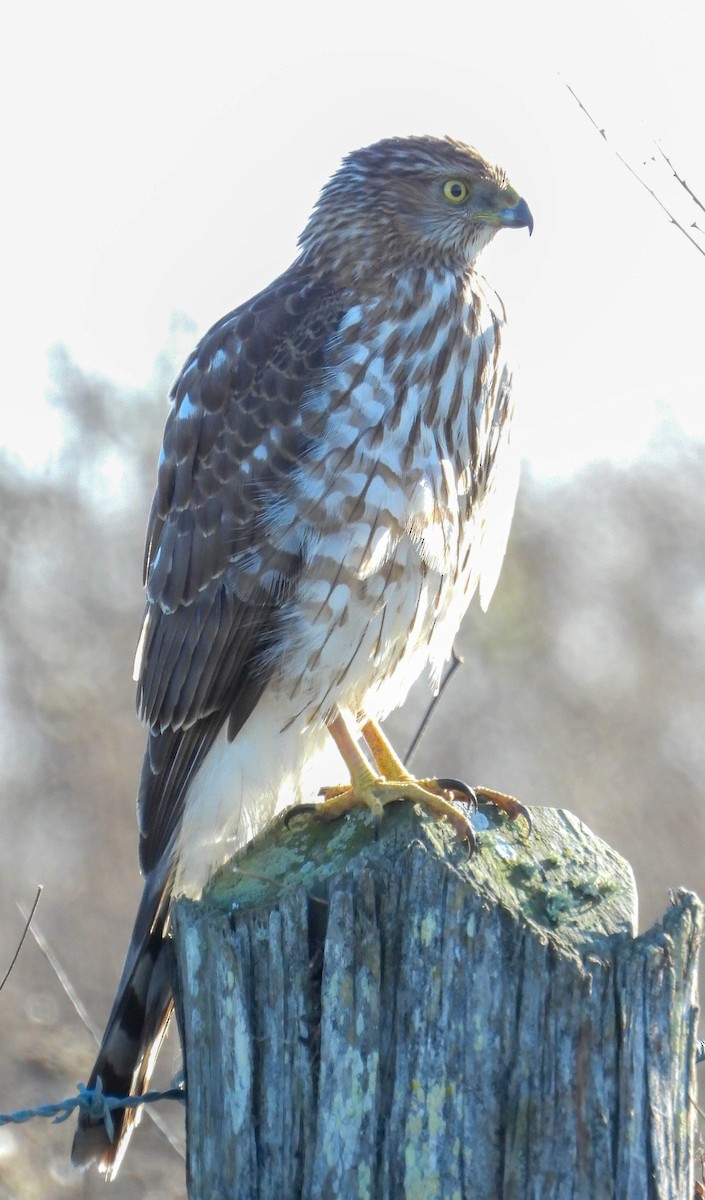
column 404, row 201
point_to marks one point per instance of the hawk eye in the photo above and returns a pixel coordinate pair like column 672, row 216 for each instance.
column 455, row 190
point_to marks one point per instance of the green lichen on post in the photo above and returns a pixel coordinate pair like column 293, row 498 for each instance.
column 376, row 1013
column 550, row 876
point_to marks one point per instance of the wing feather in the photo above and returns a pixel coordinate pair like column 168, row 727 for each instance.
column 215, row 579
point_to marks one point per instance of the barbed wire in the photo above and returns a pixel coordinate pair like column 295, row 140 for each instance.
column 70, row 991
column 99, row 1106
column 94, row 1102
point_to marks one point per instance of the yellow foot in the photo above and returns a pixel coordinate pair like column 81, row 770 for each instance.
column 374, row 793
column 391, row 767
column 391, row 783
column 507, row 804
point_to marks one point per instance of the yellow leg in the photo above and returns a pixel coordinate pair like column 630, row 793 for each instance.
column 382, row 752
column 392, row 782
column 373, row 791
column 392, row 767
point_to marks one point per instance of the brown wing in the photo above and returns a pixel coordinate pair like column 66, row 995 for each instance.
column 215, row 580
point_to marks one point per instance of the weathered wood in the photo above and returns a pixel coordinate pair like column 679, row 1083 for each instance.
column 387, row 1019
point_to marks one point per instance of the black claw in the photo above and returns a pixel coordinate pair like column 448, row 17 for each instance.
column 298, row 810
column 509, row 805
column 524, row 812
column 465, row 793
column 472, row 843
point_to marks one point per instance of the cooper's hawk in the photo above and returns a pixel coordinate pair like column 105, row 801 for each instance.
column 337, row 479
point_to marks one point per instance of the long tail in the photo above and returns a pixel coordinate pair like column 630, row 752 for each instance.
column 134, row 1033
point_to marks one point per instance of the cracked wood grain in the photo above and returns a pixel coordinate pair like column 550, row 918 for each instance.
column 384, row 1018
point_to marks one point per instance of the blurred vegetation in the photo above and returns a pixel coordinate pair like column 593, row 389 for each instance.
column 582, row 688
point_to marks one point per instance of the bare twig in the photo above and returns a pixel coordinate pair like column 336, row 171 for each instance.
column 638, row 178
column 25, row 931
column 682, row 182
column 455, row 662
column 580, row 104
column 63, row 978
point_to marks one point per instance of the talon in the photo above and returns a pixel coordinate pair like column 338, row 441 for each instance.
column 387, row 781
column 507, row 804
column 465, row 793
column 297, row 810
column 461, row 825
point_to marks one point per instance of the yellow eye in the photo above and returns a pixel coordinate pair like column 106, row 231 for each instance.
column 455, row 190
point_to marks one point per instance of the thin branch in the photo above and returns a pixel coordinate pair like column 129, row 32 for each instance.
column 455, row 662
column 25, row 931
column 63, row 979
column 661, row 205
column 681, row 181
column 580, row 104
column 631, row 170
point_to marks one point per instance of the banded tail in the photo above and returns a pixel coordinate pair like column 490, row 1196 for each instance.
column 134, row 1033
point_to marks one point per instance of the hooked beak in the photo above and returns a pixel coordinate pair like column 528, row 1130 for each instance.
column 517, row 217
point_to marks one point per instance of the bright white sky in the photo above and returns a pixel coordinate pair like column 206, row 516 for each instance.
column 163, row 157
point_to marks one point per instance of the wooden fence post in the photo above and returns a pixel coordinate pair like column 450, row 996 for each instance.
column 386, row 1018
